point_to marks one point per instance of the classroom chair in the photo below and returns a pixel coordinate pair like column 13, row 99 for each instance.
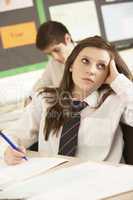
column 128, row 143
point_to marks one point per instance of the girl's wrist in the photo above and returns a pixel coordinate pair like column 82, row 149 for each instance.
column 113, row 78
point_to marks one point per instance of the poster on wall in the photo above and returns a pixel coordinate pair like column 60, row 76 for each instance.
column 19, row 22
column 79, row 16
column 86, row 24
column 18, row 35
column 7, row 5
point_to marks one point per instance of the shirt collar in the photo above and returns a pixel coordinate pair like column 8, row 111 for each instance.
column 92, row 99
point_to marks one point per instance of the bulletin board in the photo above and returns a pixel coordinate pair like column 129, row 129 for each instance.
column 19, row 21
column 117, row 29
column 79, row 16
column 86, row 18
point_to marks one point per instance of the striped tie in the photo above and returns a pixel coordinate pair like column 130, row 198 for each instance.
column 69, row 135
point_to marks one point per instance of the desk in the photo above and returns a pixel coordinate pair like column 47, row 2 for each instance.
column 75, row 161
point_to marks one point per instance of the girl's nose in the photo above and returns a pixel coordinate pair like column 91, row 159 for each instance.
column 91, row 69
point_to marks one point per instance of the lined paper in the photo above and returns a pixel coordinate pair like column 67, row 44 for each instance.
column 85, row 181
column 32, row 167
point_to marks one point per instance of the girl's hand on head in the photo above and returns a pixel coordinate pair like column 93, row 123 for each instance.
column 113, row 72
column 13, row 157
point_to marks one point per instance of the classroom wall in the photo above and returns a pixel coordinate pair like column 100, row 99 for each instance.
column 20, row 61
column 15, row 88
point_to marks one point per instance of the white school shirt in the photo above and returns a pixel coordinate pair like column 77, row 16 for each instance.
column 99, row 137
column 51, row 76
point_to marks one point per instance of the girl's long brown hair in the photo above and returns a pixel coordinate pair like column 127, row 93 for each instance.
column 59, row 99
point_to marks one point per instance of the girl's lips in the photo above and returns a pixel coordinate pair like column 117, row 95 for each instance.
column 88, row 80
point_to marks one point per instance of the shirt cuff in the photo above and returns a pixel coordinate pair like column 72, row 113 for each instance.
column 121, row 84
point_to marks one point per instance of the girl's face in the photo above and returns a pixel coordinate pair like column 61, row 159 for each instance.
column 90, row 70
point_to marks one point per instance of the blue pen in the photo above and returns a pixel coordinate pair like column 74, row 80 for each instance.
column 11, row 143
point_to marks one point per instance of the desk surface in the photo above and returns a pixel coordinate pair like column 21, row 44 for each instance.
column 75, row 161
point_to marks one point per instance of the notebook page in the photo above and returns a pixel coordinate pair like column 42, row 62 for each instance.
column 28, row 169
column 92, row 180
column 97, row 182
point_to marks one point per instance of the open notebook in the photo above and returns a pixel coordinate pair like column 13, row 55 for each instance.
column 10, row 175
column 85, row 181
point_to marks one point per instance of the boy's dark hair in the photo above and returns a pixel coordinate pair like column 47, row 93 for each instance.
column 50, row 32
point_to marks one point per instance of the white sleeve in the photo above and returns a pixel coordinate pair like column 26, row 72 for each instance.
column 25, row 131
column 46, row 78
column 123, row 87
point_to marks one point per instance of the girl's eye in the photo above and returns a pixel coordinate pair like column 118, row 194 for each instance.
column 101, row 66
column 85, row 61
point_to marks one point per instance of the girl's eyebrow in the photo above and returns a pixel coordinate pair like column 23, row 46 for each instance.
column 103, row 61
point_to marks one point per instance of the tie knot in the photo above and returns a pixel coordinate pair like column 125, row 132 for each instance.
column 79, row 105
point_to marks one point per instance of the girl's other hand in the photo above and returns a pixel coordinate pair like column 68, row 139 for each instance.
column 113, row 72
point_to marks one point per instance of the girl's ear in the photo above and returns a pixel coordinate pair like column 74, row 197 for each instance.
column 70, row 69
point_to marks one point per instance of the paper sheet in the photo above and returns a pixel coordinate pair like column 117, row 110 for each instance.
column 85, row 181
column 122, row 17
column 18, row 35
column 32, row 167
column 7, row 5
column 86, row 24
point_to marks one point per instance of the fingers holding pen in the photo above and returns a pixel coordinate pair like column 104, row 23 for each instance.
column 13, row 156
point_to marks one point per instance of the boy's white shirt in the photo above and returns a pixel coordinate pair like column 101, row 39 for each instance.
column 51, row 76
column 100, row 137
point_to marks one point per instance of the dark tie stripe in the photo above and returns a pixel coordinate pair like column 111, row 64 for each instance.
column 69, row 142
column 69, row 136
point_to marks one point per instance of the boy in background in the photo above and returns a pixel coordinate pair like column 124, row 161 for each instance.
column 53, row 39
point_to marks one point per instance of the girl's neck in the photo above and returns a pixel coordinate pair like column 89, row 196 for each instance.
column 79, row 94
